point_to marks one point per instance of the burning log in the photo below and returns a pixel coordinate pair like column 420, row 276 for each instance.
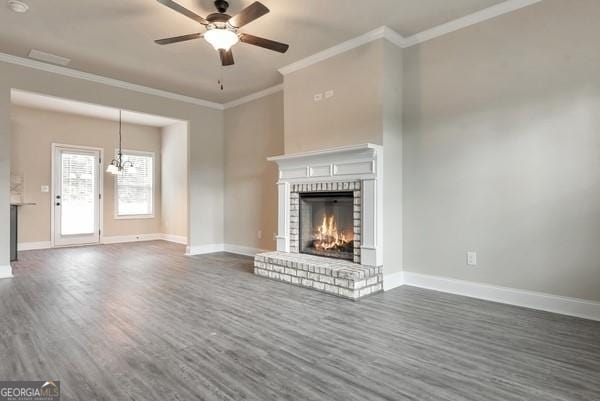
column 328, row 238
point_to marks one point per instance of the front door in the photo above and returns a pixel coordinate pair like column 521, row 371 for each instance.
column 76, row 196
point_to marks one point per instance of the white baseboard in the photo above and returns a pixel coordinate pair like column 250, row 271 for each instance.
column 394, row 280
column 529, row 299
column 116, row 239
column 242, row 250
column 119, row 239
column 212, row 248
column 204, row 249
column 30, row 246
column 178, row 239
column 5, row 272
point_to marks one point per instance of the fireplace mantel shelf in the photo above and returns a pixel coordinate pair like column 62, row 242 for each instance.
column 341, row 150
column 341, row 163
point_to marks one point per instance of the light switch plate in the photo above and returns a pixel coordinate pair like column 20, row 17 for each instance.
column 45, row 188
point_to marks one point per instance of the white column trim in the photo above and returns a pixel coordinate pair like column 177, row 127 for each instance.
column 283, row 217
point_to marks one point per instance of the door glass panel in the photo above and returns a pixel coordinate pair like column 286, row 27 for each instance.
column 78, row 194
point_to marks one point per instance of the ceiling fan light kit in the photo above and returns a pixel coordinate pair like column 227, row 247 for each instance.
column 221, row 38
column 222, row 29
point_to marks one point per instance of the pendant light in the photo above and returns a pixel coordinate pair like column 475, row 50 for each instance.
column 117, row 165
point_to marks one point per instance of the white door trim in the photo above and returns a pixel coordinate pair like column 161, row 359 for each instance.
column 53, row 187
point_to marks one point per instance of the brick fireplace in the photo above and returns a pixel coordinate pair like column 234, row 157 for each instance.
column 329, row 222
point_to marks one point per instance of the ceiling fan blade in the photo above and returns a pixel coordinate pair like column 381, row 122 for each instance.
column 226, row 57
column 262, row 42
column 182, row 10
column 176, row 39
column 248, row 14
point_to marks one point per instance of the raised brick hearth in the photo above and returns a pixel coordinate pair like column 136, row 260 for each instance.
column 333, row 276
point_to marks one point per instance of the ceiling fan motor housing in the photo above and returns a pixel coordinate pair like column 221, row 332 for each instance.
column 221, row 5
column 218, row 17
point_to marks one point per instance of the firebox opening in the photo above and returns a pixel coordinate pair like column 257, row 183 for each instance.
column 327, row 224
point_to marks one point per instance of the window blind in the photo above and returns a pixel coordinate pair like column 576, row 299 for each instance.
column 135, row 186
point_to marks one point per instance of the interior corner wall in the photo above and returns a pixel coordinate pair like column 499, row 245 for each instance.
column 502, row 151
column 206, row 142
column 352, row 116
column 253, row 131
column 392, row 83
column 174, row 179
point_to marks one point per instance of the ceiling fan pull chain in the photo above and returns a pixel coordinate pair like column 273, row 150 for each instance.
column 220, row 81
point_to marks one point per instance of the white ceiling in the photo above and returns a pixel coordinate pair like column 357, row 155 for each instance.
column 114, row 38
column 35, row 100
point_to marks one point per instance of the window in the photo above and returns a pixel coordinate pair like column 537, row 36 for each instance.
column 135, row 186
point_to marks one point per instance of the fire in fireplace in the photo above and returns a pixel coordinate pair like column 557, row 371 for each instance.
column 326, row 224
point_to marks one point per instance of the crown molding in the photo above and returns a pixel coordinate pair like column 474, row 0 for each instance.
column 253, row 96
column 69, row 72
column 384, row 32
column 335, row 50
column 468, row 20
column 394, row 37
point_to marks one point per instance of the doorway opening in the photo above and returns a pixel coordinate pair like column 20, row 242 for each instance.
column 76, row 191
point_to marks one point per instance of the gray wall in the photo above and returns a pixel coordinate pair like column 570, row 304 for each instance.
column 174, row 180
column 352, row 116
column 502, row 151
column 253, row 131
column 392, row 163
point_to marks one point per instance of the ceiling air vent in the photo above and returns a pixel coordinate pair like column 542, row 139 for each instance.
column 18, row 6
column 48, row 58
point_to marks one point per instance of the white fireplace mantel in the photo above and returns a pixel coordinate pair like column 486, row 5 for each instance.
column 362, row 163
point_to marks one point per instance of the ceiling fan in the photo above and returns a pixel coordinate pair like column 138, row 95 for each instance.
column 222, row 30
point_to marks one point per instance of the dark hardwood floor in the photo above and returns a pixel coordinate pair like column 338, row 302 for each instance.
column 143, row 322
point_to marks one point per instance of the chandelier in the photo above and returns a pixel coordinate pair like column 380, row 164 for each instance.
column 117, row 166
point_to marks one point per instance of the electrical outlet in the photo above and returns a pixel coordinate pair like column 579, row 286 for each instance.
column 318, row 97
column 329, row 94
column 259, row 234
column 472, row 258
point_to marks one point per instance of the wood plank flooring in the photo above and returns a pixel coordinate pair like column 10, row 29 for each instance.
column 143, row 322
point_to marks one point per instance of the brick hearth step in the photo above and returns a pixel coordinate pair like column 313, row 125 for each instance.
column 337, row 277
